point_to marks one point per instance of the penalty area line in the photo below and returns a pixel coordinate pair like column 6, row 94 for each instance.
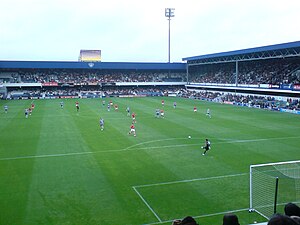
column 185, row 181
column 146, row 203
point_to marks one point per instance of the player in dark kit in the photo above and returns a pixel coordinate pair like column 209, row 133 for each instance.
column 206, row 146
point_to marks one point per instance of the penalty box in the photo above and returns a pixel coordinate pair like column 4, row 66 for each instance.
column 196, row 197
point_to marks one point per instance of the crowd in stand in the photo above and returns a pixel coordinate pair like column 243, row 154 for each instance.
column 86, row 77
column 89, row 83
column 275, row 72
column 291, row 216
column 92, row 92
column 256, row 72
column 269, row 71
column 217, row 73
column 264, row 102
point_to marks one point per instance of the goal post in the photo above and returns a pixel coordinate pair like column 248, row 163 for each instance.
column 273, row 185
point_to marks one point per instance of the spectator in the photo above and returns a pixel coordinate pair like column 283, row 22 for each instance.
column 230, row 219
column 296, row 218
column 279, row 219
column 186, row 221
column 291, row 209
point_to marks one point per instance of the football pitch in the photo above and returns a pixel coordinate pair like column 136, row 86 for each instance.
column 58, row 167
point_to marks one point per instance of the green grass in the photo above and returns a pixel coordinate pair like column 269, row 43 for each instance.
column 58, row 167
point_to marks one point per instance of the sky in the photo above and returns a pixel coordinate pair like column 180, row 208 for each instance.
column 137, row 30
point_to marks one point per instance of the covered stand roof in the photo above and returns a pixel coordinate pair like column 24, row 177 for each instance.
column 284, row 50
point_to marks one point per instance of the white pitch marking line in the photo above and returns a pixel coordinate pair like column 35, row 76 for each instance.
column 152, row 141
column 45, row 156
column 146, row 203
column 86, row 153
column 185, row 181
column 130, row 148
column 184, row 145
column 191, row 180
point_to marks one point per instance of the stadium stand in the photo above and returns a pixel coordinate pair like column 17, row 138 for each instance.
column 271, row 71
column 87, row 77
column 78, row 83
column 275, row 72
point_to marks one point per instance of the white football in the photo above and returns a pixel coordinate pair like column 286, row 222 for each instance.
column 189, row 137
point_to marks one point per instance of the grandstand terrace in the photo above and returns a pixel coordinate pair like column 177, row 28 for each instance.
column 71, row 78
column 272, row 70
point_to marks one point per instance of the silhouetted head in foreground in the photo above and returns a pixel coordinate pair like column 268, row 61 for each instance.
column 291, row 209
column 230, row 219
column 279, row 219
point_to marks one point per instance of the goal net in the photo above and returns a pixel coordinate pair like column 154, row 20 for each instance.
column 265, row 195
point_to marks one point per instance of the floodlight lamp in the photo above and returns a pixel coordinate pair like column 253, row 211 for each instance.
column 169, row 12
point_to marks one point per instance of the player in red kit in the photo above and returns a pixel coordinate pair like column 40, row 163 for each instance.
column 162, row 113
column 195, row 109
column 163, row 103
column 133, row 117
column 77, row 105
column 116, row 107
column 132, row 130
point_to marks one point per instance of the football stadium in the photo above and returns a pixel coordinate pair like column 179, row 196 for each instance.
column 108, row 143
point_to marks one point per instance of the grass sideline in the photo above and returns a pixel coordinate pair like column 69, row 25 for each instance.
column 58, row 167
